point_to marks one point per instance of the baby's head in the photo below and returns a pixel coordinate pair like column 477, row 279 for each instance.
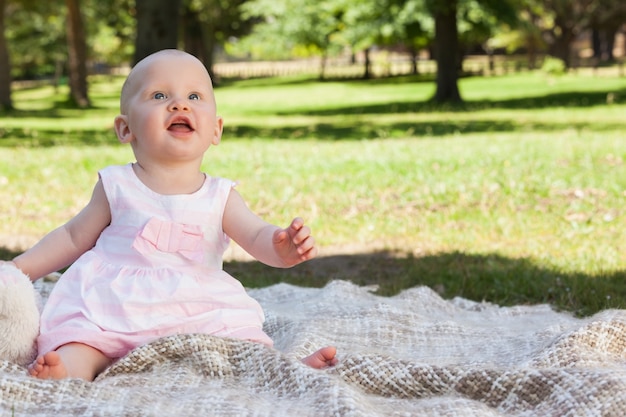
column 168, row 99
column 173, row 57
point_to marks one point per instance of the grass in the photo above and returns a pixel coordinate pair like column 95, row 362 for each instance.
column 516, row 196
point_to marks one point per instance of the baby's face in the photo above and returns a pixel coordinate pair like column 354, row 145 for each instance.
column 170, row 109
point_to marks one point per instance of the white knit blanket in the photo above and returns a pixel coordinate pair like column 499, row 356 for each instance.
column 414, row 354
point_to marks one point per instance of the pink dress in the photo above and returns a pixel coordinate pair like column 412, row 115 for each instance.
column 155, row 271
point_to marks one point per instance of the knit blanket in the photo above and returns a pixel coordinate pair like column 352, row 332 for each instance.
column 414, row 354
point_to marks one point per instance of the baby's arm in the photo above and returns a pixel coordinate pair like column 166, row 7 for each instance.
column 65, row 244
column 269, row 244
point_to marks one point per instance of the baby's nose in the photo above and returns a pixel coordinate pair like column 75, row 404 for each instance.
column 178, row 104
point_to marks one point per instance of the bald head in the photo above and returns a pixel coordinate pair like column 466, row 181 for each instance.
column 134, row 80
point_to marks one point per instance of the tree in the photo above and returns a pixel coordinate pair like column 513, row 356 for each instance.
column 77, row 52
column 295, row 28
column 415, row 21
column 204, row 26
column 570, row 18
column 363, row 26
column 313, row 27
column 447, row 52
column 5, row 64
column 207, row 24
column 113, row 32
column 157, row 26
column 554, row 25
column 36, row 37
column 384, row 23
column 43, row 36
column 606, row 20
column 528, row 33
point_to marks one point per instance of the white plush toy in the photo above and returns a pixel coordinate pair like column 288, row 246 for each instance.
column 19, row 315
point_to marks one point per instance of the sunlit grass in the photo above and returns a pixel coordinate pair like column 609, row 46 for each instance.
column 516, row 196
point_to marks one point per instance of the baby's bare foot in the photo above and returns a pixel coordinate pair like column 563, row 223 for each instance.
column 323, row 358
column 48, row 366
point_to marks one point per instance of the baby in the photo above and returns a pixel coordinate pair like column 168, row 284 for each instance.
column 146, row 251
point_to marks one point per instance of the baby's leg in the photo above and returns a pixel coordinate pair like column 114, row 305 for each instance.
column 74, row 360
column 322, row 358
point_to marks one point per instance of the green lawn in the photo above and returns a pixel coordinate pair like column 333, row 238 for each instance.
column 517, row 196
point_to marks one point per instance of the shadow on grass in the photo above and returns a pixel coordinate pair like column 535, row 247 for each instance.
column 365, row 130
column 492, row 278
column 349, row 129
column 570, row 99
column 6, row 254
column 55, row 110
column 26, row 137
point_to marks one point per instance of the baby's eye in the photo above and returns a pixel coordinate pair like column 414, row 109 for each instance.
column 194, row 96
column 159, row 96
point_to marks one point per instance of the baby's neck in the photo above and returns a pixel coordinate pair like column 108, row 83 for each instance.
column 170, row 181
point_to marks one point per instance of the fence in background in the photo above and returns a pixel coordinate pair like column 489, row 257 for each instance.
column 384, row 65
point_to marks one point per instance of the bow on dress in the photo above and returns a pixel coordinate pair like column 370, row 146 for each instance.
column 171, row 237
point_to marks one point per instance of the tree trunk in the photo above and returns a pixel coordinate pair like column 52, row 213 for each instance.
column 192, row 33
column 5, row 66
column 596, row 43
column 323, row 63
column 157, row 26
column 532, row 55
column 199, row 39
column 446, row 52
column 561, row 48
column 367, row 73
column 209, row 44
column 609, row 40
column 414, row 57
column 77, row 50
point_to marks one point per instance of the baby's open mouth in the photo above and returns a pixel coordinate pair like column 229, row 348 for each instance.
column 180, row 126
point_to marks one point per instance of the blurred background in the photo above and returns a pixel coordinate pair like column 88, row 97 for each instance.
column 65, row 40
column 473, row 146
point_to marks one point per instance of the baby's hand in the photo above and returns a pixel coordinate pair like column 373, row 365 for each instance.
column 295, row 243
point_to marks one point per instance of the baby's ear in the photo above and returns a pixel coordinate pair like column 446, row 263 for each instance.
column 219, row 127
column 122, row 129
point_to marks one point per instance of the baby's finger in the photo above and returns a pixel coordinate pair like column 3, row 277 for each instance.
column 301, row 235
column 307, row 245
column 296, row 224
column 308, row 254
